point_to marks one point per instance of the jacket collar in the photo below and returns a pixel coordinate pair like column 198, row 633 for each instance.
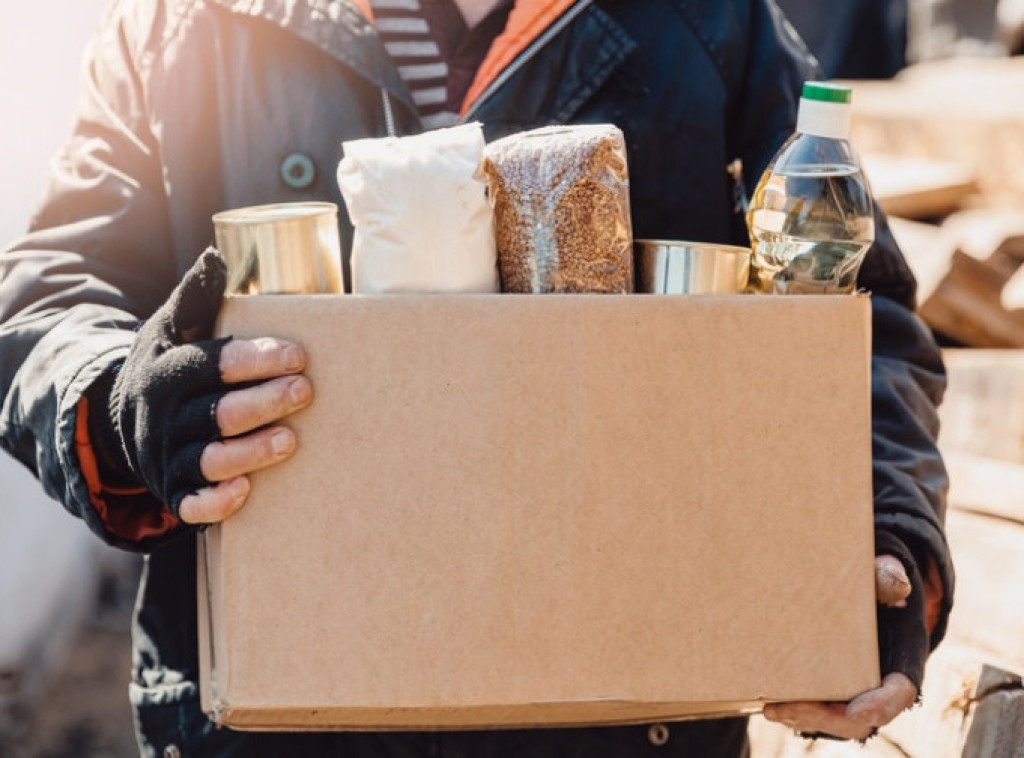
column 526, row 23
column 340, row 28
column 344, row 30
column 524, row 93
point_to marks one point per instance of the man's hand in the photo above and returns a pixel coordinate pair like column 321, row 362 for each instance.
column 245, row 419
column 855, row 720
column 904, row 645
column 188, row 416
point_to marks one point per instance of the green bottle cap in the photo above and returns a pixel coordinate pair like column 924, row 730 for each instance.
column 827, row 92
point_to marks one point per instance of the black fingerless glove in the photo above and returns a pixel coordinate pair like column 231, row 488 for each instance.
column 902, row 632
column 153, row 416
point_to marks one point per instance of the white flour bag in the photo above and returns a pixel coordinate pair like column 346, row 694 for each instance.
column 421, row 216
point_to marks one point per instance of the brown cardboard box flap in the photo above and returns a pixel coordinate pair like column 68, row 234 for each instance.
column 551, row 509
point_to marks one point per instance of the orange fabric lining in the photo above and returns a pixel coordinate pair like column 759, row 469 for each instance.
column 129, row 523
column 364, row 6
column 528, row 20
column 933, row 594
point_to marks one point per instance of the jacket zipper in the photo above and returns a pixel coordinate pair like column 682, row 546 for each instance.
column 526, row 55
column 389, row 114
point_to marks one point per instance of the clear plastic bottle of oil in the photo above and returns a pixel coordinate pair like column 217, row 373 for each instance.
column 811, row 220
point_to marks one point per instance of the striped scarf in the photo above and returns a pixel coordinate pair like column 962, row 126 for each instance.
column 406, row 36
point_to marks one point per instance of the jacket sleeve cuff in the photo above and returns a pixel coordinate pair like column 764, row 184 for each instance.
column 128, row 518
column 130, row 513
column 903, row 643
column 933, row 561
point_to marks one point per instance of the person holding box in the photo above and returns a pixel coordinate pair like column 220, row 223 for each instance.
column 116, row 395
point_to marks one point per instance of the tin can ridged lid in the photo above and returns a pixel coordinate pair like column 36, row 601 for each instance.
column 274, row 213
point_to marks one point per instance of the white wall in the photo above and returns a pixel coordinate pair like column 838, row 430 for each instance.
column 47, row 558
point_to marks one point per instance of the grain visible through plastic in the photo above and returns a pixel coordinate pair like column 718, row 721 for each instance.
column 561, row 210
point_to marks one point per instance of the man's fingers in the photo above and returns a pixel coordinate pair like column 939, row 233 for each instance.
column 265, row 358
column 211, row 505
column 191, row 310
column 892, row 586
column 855, row 720
column 882, row 705
column 241, row 411
column 231, row 458
column 241, row 417
column 828, row 718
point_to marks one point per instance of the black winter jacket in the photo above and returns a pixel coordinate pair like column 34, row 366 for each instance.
column 195, row 106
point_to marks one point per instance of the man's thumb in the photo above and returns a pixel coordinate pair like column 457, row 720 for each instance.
column 192, row 308
column 892, row 586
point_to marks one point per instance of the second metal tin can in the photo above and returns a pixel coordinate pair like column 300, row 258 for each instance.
column 669, row 267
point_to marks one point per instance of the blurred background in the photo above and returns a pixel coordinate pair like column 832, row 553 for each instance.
column 939, row 123
column 65, row 598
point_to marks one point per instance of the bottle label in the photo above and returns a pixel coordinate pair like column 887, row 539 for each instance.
column 823, row 119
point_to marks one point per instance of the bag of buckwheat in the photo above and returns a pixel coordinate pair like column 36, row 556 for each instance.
column 561, row 209
column 420, row 211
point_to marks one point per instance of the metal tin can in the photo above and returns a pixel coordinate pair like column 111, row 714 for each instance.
column 668, row 267
column 287, row 248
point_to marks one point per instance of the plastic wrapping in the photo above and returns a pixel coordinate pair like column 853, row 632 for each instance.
column 420, row 211
column 561, row 210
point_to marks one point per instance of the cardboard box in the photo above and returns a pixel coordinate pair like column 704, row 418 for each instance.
column 550, row 510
